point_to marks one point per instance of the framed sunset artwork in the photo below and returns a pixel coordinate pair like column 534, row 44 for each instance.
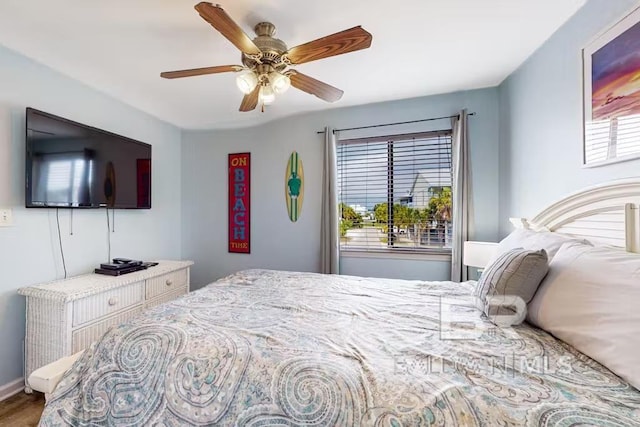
column 611, row 69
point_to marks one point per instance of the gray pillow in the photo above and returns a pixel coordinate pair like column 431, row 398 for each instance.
column 515, row 273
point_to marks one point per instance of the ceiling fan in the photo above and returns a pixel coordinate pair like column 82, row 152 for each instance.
column 267, row 60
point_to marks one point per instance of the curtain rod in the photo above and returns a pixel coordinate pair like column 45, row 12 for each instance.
column 398, row 123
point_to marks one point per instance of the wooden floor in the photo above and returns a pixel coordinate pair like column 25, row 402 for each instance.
column 21, row 410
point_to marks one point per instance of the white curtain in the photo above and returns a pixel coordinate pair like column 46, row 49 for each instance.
column 329, row 237
column 461, row 186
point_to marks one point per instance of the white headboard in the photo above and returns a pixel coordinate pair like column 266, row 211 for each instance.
column 604, row 214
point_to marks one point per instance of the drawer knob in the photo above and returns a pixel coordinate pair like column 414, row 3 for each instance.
column 169, row 282
column 113, row 301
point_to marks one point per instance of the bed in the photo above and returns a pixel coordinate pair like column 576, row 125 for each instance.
column 266, row 348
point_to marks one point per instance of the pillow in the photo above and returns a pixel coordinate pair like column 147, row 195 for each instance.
column 535, row 240
column 591, row 300
column 515, row 273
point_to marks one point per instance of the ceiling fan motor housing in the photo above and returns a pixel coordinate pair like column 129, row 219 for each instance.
column 272, row 49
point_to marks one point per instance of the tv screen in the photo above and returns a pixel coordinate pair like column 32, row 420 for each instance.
column 70, row 165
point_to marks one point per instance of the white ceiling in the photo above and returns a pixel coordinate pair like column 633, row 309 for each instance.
column 420, row 47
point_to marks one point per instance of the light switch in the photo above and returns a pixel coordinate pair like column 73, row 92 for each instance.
column 6, row 217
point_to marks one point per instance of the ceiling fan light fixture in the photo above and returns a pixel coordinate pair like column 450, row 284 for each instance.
column 279, row 82
column 266, row 95
column 247, row 82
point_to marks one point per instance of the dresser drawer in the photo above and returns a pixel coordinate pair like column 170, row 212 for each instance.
column 83, row 337
column 166, row 283
column 166, row 297
column 87, row 309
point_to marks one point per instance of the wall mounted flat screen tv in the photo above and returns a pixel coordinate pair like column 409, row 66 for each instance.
column 70, row 165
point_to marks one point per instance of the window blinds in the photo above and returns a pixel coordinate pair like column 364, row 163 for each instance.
column 395, row 192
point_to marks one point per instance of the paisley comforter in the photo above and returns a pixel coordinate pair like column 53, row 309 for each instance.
column 265, row 348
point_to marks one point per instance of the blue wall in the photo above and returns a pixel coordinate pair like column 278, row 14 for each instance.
column 280, row 244
column 541, row 119
column 29, row 250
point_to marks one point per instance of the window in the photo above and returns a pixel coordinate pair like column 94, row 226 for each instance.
column 395, row 192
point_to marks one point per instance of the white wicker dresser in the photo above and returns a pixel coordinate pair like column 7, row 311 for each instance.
column 66, row 316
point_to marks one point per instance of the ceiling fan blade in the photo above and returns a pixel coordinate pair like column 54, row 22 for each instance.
column 201, row 71
column 346, row 41
column 218, row 18
column 250, row 101
column 315, row 87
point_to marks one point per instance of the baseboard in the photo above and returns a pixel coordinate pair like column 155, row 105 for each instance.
column 14, row 387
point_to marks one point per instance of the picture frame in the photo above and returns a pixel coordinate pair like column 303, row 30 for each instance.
column 611, row 94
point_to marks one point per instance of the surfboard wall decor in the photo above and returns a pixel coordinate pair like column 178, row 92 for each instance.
column 294, row 186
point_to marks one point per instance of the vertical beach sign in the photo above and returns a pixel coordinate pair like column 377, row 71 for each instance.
column 239, row 203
